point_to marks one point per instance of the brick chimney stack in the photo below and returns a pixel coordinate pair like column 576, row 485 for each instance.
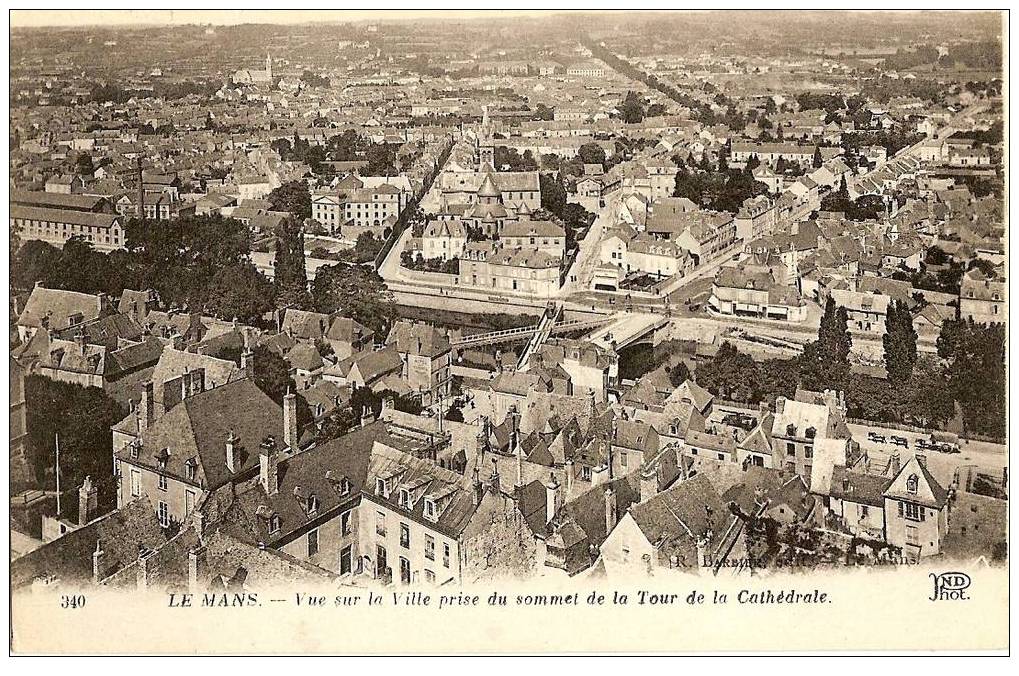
column 88, row 501
column 268, row 466
column 290, row 438
column 231, row 451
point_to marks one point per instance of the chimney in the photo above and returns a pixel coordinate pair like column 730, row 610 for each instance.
column 610, row 510
column 248, row 362
column 79, row 339
column 290, row 421
column 494, row 485
column 198, row 381
column 479, row 489
column 197, row 568
column 921, row 459
column 141, row 189
column 231, row 452
column 570, row 477
column 552, row 501
column 88, row 501
column 98, row 563
column 142, row 569
column 648, row 484
column 146, row 408
column 894, row 464
column 268, row 466
column 779, row 405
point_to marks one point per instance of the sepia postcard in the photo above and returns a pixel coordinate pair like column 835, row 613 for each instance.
column 507, row 332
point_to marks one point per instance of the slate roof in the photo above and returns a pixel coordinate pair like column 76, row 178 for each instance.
column 59, row 306
column 197, row 429
column 69, row 558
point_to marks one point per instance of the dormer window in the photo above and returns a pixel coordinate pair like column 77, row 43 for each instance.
column 911, row 484
column 344, row 486
column 380, row 488
column 312, row 504
column 431, row 512
column 790, row 430
column 135, row 448
column 404, row 499
column 191, row 469
column 274, row 523
column 811, row 432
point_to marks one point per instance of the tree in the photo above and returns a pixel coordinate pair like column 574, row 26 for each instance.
column 83, row 165
column 825, row 361
column 292, row 197
column 592, row 153
column 553, row 193
column 272, row 374
column 817, row 162
column 899, row 343
column 240, row 292
column 357, row 292
column 82, row 416
column 632, row 108
column 976, row 373
column 678, row 374
column 290, row 272
column 730, row 374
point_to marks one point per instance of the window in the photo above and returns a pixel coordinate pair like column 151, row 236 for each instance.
column 429, row 576
column 136, row 483
column 380, row 488
column 585, row 473
column 721, row 456
column 626, row 554
column 912, row 535
column 790, row 448
column 445, row 555
column 189, row 501
column 313, row 543
column 864, row 511
column 164, row 514
column 346, row 560
column 162, row 482
column 429, row 548
column 811, row 432
column 404, row 571
column 344, row 486
column 404, row 499
column 431, row 512
column 312, row 504
column 911, row 484
column 345, row 523
column 808, row 452
column 274, row 523
column 912, row 512
column 380, row 523
column 191, row 469
column 622, row 459
column 404, row 535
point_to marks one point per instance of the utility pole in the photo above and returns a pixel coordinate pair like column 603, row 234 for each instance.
column 56, row 438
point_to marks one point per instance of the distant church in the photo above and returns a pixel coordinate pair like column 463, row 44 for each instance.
column 255, row 77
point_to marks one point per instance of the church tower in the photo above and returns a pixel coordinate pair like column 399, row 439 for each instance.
column 268, row 66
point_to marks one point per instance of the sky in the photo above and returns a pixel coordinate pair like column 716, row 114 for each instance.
column 107, row 17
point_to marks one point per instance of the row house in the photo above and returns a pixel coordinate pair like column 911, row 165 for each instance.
column 744, row 292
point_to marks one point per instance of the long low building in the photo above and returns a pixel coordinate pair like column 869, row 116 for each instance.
column 56, row 226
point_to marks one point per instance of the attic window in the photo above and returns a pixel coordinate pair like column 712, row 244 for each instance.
column 811, row 432
column 274, row 523
column 190, row 469
column 790, row 430
column 135, row 448
column 380, row 488
column 344, row 486
column 312, row 504
column 431, row 512
column 911, row 484
column 404, row 499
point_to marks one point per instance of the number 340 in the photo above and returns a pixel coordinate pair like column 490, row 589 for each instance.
column 72, row 602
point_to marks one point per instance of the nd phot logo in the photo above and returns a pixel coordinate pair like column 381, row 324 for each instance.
column 950, row 586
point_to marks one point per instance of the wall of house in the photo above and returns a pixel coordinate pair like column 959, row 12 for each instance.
column 497, row 542
column 928, row 531
column 860, row 519
column 178, row 495
column 627, row 551
column 331, row 542
column 445, row 568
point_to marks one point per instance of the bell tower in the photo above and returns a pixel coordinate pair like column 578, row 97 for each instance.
column 268, row 65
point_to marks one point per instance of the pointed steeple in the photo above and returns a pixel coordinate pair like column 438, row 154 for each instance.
column 489, row 192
